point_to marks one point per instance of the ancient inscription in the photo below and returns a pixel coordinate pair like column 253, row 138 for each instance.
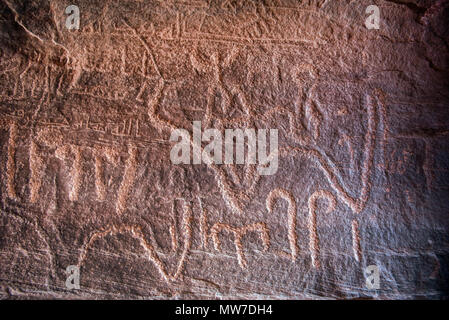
column 90, row 95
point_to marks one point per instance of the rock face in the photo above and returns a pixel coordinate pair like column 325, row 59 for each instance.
column 87, row 180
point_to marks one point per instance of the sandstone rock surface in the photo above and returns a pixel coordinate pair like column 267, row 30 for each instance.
column 87, row 181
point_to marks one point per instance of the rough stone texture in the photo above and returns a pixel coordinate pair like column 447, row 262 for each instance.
column 86, row 176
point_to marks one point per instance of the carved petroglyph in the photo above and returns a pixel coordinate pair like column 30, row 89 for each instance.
column 91, row 112
column 291, row 217
column 100, row 154
column 152, row 255
column 76, row 172
column 128, row 179
column 203, row 224
column 239, row 233
column 36, row 172
column 314, row 245
column 250, row 175
column 11, row 161
column 357, row 251
column 234, row 190
column 347, row 140
column 330, row 169
column 99, row 176
column 65, row 152
column 147, row 47
column 215, row 66
column 75, row 157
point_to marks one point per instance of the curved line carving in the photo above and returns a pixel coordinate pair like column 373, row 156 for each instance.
column 291, row 213
column 314, row 245
column 137, row 233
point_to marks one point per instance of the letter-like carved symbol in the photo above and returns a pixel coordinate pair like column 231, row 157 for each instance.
column 37, row 167
column 77, row 167
column 112, row 156
column 238, row 232
column 292, row 236
column 314, row 245
column 358, row 203
column 236, row 190
column 136, row 232
column 11, row 164
column 238, row 235
column 128, row 179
